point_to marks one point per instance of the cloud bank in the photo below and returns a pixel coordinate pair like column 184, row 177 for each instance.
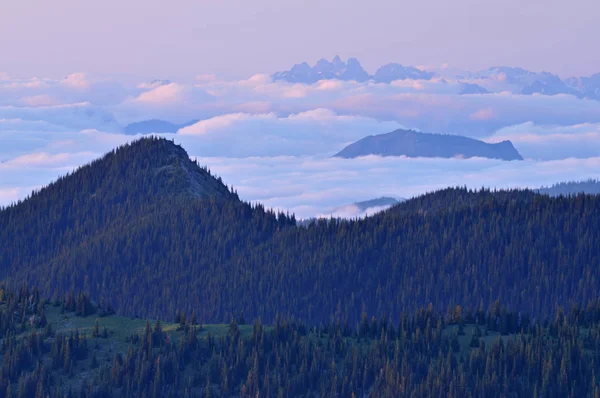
column 273, row 141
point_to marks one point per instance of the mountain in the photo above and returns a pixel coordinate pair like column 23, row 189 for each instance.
column 470, row 88
column 514, row 79
column 324, row 70
column 589, row 87
column 590, row 187
column 528, row 82
column 390, row 72
column 415, row 144
column 552, row 86
column 350, row 71
column 71, row 347
column 154, row 126
column 510, row 75
column 150, row 233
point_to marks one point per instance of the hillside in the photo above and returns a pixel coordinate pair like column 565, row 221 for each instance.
column 151, row 233
column 71, row 347
column 591, row 187
column 108, row 196
column 415, row 144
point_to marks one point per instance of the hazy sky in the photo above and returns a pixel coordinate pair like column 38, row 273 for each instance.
column 183, row 38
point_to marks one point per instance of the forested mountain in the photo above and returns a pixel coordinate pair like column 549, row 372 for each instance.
column 415, row 144
column 152, row 233
column 590, row 186
column 73, row 348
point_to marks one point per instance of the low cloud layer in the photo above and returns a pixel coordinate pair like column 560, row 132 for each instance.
column 273, row 141
column 436, row 105
column 553, row 142
column 309, row 186
column 314, row 132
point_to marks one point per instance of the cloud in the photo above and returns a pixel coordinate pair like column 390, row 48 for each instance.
column 310, row 186
column 48, row 159
column 483, row 114
column 273, row 140
column 163, row 94
column 82, row 115
column 13, row 88
column 329, row 85
column 28, row 126
column 312, row 132
column 453, row 113
column 75, row 88
column 352, row 211
column 552, row 142
column 153, row 84
column 76, row 81
column 434, row 105
column 40, row 100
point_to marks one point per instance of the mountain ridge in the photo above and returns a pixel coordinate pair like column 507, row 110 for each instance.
column 350, row 71
column 524, row 81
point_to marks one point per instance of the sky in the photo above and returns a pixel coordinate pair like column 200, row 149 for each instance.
column 180, row 39
column 75, row 74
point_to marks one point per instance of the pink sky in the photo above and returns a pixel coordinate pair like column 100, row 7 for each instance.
column 184, row 38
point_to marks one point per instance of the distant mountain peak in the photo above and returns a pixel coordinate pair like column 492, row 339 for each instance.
column 501, row 78
column 390, row 72
column 337, row 62
column 137, row 173
column 172, row 167
column 412, row 143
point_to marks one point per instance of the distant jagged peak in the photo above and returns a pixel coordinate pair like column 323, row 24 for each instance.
column 324, row 70
column 393, row 71
column 337, row 62
column 504, row 78
column 351, row 70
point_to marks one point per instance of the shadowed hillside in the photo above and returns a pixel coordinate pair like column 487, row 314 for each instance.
column 152, row 233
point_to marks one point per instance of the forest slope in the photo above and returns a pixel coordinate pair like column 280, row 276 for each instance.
column 72, row 348
column 152, row 233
